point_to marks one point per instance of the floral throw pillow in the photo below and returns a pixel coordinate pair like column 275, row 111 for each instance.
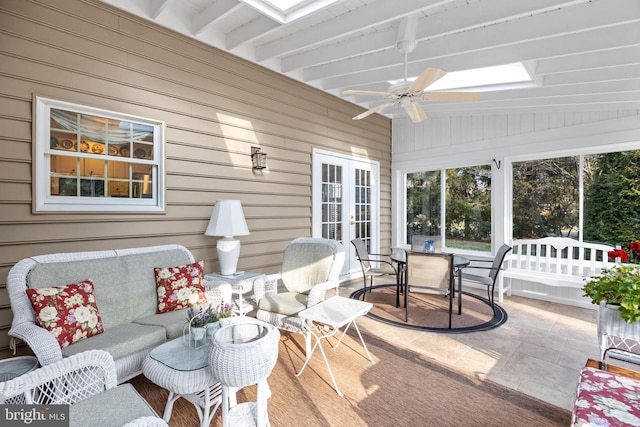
column 180, row 287
column 69, row 312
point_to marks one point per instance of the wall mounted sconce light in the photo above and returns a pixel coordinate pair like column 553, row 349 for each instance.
column 258, row 158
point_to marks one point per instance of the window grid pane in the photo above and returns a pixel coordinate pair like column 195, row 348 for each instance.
column 331, row 202
column 363, row 205
column 78, row 168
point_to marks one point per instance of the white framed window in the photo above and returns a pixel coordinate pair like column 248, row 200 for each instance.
column 90, row 159
column 451, row 206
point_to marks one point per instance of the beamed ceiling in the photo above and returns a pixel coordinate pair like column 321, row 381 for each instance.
column 583, row 55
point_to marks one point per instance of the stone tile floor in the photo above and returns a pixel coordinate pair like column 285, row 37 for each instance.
column 539, row 351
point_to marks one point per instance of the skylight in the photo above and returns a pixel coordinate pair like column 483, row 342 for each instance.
column 285, row 11
column 484, row 79
column 283, row 5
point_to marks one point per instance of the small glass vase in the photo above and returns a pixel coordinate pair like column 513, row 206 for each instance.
column 198, row 334
column 429, row 247
column 212, row 328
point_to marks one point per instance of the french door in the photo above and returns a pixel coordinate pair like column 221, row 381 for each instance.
column 346, row 199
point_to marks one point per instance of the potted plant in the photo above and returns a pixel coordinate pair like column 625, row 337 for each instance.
column 198, row 321
column 618, row 288
column 223, row 311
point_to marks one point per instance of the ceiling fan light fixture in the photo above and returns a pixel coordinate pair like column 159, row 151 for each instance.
column 406, row 38
column 406, row 45
column 407, row 94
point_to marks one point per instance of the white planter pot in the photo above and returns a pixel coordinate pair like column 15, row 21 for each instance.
column 614, row 332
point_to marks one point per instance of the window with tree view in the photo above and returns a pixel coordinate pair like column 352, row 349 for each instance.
column 545, row 198
column 466, row 217
column 547, row 202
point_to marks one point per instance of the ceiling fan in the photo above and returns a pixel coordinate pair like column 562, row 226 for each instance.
column 407, row 94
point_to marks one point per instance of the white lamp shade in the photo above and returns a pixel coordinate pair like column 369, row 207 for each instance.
column 227, row 219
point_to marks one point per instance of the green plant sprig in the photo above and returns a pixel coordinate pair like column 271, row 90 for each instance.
column 619, row 285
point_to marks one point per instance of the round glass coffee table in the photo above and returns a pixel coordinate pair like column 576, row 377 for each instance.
column 184, row 371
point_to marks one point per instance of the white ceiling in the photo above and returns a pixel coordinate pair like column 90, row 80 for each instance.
column 584, row 55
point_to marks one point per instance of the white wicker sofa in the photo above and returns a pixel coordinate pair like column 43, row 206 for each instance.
column 126, row 297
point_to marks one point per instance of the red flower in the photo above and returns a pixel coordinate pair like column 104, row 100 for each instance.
column 619, row 253
column 634, row 246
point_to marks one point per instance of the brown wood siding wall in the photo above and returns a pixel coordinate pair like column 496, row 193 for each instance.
column 215, row 106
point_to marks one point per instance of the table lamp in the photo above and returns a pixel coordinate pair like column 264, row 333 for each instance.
column 227, row 220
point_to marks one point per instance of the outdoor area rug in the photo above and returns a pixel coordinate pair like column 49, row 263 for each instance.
column 431, row 312
column 402, row 388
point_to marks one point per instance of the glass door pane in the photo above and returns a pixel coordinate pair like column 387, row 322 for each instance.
column 331, row 202
column 363, row 206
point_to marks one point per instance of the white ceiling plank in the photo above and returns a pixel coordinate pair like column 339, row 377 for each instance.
column 507, row 33
column 623, row 72
column 145, row 9
column 367, row 43
column 597, row 88
column 156, row 7
column 590, row 60
column 250, row 32
column 352, row 22
column 360, row 63
column 485, row 13
column 582, row 18
column 215, row 12
column 583, row 99
column 586, row 93
column 524, row 109
column 601, row 39
column 475, row 15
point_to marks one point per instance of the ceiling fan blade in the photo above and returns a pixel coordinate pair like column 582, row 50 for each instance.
column 415, row 112
column 366, row 93
column 451, row 96
column 427, row 77
column 375, row 109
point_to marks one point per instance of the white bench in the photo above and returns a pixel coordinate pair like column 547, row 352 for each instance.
column 556, row 261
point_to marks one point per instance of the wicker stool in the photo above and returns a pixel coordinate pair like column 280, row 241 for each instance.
column 243, row 354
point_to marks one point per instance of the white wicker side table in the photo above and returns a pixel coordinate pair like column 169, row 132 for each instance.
column 184, row 371
column 244, row 353
column 241, row 284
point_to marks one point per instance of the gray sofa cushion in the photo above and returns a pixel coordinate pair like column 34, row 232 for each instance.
column 173, row 322
column 121, row 340
column 141, row 281
column 113, row 407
